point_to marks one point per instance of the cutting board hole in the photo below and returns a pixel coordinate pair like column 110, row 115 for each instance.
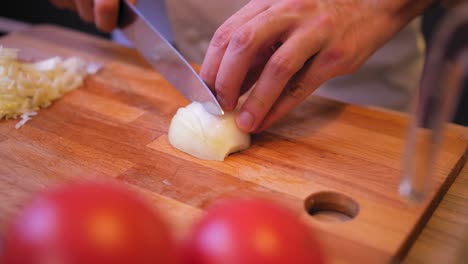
column 331, row 207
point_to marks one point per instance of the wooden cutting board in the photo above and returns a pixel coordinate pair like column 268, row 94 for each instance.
column 340, row 156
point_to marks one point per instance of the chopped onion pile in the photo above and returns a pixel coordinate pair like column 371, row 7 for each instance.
column 26, row 87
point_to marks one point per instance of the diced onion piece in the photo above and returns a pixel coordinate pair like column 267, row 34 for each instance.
column 197, row 132
column 26, row 87
column 25, row 118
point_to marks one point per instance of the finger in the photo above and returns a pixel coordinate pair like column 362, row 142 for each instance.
column 58, row 3
column 315, row 73
column 281, row 67
column 250, row 79
column 85, row 9
column 256, row 69
column 220, row 40
column 251, row 39
column 64, row 4
column 105, row 14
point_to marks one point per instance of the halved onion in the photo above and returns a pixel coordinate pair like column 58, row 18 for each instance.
column 197, row 132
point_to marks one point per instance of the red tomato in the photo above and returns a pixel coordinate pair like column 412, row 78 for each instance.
column 251, row 231
column 88, row 223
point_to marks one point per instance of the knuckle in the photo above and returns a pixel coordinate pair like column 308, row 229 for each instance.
column 325, row 21
column 221, row 88
column 281, row 65
column 222, row 36
column 297, row 90
column 341, row 60
column 242, row 39
column 257, row 103
column 299, row 5
column 333, row 56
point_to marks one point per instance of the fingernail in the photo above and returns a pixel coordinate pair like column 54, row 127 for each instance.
column 245, row 121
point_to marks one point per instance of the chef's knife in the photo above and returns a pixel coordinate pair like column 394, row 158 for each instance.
column 158, row 51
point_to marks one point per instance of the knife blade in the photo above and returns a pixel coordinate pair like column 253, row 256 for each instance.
column 159, row 52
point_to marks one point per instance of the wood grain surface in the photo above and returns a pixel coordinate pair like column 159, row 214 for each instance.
column 114, row 127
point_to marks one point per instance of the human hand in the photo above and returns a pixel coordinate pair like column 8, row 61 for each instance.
column 102, row 12
column 288, row 48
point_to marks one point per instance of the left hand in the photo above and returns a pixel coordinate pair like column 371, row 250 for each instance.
column 290, row 47
column 102, row 12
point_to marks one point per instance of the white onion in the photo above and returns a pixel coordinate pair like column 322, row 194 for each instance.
column 26, row 87
column 195, row 131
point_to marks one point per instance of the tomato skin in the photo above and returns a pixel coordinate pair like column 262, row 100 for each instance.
column 88, row 223
column 251, row 231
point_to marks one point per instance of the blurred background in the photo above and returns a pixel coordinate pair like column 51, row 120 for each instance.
column 15, row 15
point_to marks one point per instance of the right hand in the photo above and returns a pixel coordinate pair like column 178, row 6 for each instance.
column 282, row 50
column 101, row 12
